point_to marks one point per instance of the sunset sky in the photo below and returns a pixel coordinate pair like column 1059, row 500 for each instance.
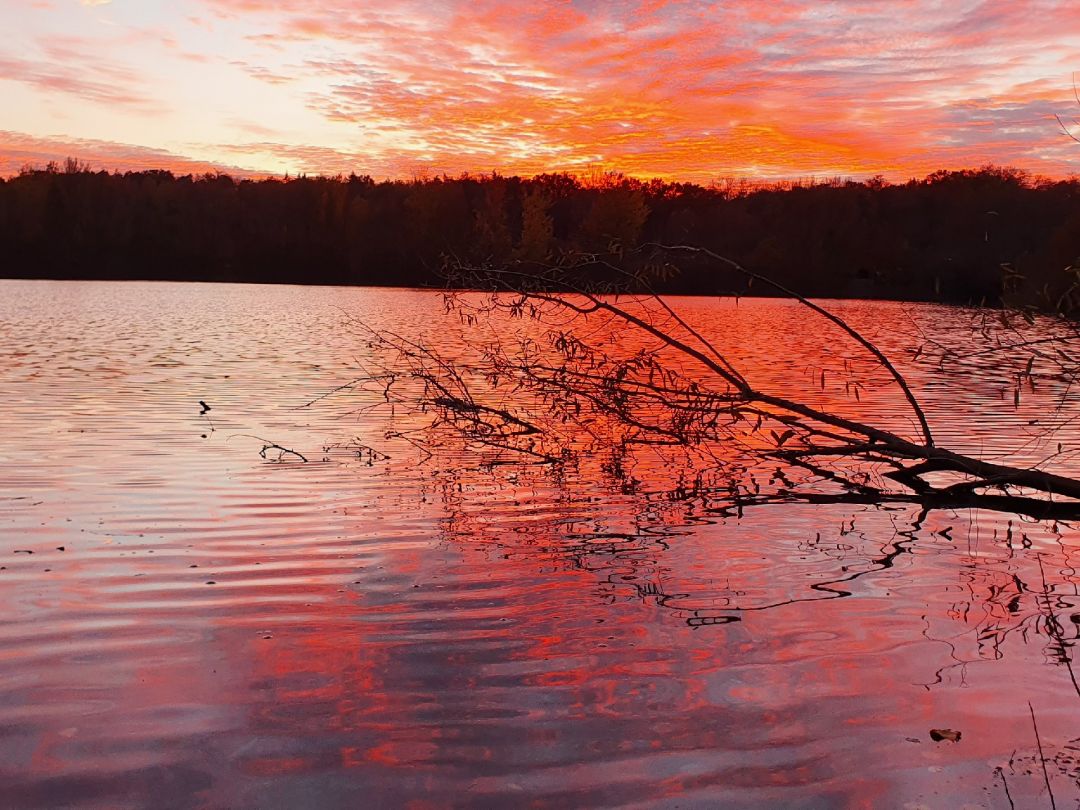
column 681, row 90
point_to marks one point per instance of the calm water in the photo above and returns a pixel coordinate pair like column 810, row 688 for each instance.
column 199, row 626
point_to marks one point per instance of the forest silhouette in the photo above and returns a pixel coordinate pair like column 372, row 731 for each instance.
column 990, row 235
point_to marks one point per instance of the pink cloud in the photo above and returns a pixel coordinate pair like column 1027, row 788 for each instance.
column 19, row 149
column 102, row 83
column 677, row 88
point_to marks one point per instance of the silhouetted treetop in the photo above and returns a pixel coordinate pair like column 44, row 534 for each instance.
column 989, row 234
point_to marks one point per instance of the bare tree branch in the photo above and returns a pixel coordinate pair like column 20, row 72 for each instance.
column 564, row 388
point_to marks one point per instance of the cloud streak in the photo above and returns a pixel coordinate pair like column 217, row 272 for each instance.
column 66, row 72
column 687, row 90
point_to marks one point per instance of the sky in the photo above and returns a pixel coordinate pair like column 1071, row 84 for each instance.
column 693, row 91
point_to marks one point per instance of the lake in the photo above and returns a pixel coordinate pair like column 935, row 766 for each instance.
column 189, row 620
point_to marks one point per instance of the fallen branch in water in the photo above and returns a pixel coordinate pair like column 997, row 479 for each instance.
column 269, row 445
column 600, row 372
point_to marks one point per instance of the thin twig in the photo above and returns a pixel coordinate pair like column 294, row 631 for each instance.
column 269, row 445
column 874, row 350
column 1001, row 772
column 1042, row 757
column 1053, row 627
column 1065, row 129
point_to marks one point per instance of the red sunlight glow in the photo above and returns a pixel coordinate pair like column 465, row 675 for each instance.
column 651, row 88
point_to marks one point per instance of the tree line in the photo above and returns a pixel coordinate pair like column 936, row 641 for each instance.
column 988, row 235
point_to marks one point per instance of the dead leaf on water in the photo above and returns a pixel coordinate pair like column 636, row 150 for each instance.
column 939, row 734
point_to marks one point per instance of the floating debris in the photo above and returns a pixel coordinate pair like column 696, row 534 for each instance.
column 940, row 734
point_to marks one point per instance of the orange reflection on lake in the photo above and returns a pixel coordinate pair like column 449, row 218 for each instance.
column 225, row 630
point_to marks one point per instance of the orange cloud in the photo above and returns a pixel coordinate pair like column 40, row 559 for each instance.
column 689, row 89
column 673, row 88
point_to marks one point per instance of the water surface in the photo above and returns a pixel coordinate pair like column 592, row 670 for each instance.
column 187, row 623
